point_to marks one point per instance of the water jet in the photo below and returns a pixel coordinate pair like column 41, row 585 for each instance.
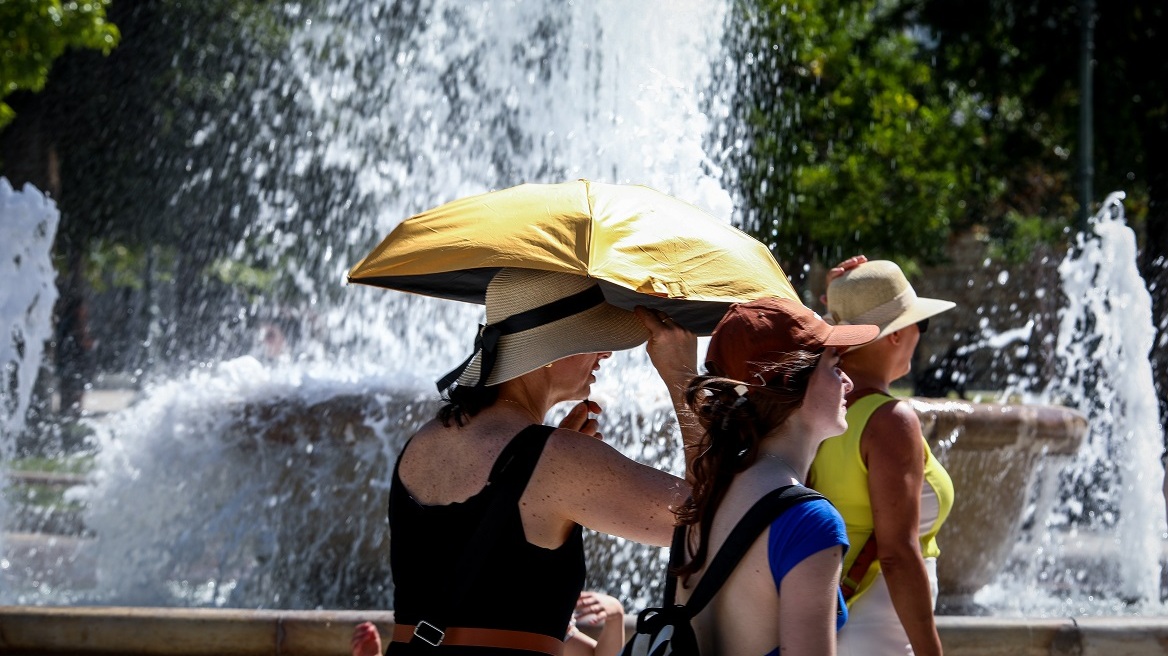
column 256, row 480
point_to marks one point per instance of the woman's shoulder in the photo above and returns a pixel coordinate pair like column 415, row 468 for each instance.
column 813, row 525
column 474, row 445
column 802, row 530
column 895, row 416
column 567, row 443
column 815, row 512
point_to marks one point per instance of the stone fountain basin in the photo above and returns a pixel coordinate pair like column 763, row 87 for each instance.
column 37, row 631
column 991, row 451
column 186, row 632
column 327, row 462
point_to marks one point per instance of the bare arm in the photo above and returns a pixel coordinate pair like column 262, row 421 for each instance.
column 673, row 351
column 587, row 482
column 807, row 604
column 894, row 451
column 583, row 480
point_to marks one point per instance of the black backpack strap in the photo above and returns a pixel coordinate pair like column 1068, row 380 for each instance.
column 511, row 472
column 760, row 515
column 676, row 560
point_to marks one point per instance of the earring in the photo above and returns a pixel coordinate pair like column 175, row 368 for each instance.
column 547, row 366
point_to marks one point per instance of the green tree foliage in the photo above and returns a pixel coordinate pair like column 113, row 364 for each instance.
column 883, row 125
column 846, row 139
column 34, row 33
column 1023, row 58
column 154, row 144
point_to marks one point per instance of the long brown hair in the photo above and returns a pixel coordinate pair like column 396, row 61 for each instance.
column 736, row 417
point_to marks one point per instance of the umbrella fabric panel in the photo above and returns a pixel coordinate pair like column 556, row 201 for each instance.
column 548, row 231
column 656, row 244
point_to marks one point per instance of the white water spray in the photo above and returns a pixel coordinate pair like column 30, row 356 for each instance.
column 190, row 506
column 262, row 484
column 28, row 225
column 1100, row 545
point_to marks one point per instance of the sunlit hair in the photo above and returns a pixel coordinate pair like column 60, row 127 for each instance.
column 465, row 401
column 735, row 417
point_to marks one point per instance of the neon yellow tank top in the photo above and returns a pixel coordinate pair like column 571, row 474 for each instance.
column 839, row 473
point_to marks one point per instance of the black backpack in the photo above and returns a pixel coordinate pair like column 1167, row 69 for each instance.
column 667, row 631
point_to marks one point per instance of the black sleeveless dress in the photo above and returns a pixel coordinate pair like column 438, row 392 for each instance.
column 520, row 587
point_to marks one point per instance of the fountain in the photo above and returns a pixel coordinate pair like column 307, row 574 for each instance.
column 364, row 352
column 1098, row 533
column 256, row 480
column 26, row 233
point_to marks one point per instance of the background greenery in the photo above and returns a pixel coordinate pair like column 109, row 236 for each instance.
column 878, row 126
column 33, row 33
column 888, row 127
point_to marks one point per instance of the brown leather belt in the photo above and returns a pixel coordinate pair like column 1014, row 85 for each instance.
column 462, row 636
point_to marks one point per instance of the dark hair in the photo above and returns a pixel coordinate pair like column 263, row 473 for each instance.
column 464, row 402
column 734, row 424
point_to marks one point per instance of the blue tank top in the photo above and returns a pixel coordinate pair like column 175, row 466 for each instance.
column 803, row 530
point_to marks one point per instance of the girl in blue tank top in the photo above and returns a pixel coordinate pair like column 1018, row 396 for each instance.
column 773, row 394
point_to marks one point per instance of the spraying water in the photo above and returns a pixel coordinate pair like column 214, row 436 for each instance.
column 26, row 302
column 222, row 486
column 1099, row 547
column 28, row 225
column 260, row 481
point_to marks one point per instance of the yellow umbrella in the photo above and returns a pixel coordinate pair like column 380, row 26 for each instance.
column 643, row 246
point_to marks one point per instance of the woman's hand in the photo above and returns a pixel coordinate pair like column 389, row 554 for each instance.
column 672, row 349
column 591, row 609
column 839, row 270
column 580, row 419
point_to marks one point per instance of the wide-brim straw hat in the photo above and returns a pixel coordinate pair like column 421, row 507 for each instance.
column 586, row 324
column 877, row 292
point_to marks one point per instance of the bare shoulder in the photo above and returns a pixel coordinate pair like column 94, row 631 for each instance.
column 436, row 451
column 892, row 437
column 579, row 452
column 426, row 436
column 896, row 419
column 430, row 430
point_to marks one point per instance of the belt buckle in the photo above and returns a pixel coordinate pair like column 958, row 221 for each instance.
column 433, row 635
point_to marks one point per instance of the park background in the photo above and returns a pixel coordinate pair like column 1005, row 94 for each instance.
column 952, row 137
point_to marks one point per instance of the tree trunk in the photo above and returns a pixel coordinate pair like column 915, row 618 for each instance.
column 74, row 352
column 26, row 148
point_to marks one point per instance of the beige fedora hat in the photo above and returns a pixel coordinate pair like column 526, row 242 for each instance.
column 877, row 292
column 537, row 317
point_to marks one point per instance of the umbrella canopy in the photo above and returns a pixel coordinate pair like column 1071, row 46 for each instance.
column 644, row 247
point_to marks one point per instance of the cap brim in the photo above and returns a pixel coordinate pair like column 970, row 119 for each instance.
column 851, row 335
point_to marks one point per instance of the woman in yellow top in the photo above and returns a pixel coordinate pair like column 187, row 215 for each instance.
column 880, row 474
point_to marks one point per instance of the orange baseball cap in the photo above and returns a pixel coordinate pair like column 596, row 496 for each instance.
column 751, row 336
